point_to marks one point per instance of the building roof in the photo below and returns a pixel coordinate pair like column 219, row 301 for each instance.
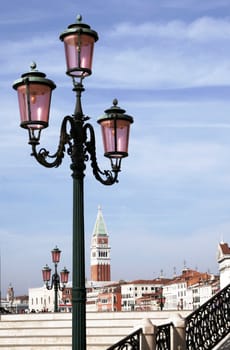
column 159, row 281
column 223, row 252
column 192, row 277
column 225, row 248
column 100, row 227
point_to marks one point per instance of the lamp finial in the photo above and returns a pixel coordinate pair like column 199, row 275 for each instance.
column 33, row 66
column 79, row 18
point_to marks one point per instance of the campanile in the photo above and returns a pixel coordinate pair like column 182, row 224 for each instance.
column 100, row 251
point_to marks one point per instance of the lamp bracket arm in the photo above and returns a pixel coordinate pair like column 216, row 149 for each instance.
column 106, row 177
column 61, row 288
column 49, row 287
column 43, row 156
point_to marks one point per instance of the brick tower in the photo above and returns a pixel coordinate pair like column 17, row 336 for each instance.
column 100, row 251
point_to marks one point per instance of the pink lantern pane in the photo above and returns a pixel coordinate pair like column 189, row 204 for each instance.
column 64, row 276
column 46, row 273
column 115, row 134
column 79, row 54
column 56, row 253
column 34, row 105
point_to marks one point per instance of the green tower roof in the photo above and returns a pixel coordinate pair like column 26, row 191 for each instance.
column 100, row 227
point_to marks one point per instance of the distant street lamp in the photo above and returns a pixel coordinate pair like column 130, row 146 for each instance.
column 77, row 139
column 161, row 299
column 57, row 282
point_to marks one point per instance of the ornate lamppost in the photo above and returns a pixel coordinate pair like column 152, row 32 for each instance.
column 161, row 299
column 58, row 282
column 77, row 139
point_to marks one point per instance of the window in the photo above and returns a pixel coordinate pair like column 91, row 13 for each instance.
column 102, row 254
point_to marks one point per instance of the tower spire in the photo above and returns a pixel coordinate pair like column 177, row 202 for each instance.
column 100, row 226
column 100, row 250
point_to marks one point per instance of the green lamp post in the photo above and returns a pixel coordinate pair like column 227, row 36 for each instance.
column 77, row 139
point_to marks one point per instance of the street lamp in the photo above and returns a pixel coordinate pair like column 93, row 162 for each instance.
column 161, row 299
column 57, row 282
column 77, row 139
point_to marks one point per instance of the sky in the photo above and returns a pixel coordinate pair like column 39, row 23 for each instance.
column 168, row 64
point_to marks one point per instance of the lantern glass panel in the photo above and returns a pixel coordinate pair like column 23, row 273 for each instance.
column 64, row 276
column 34, row 105
column 79, row 54
column 56, row 253
column 115, row 134
column 46, row 273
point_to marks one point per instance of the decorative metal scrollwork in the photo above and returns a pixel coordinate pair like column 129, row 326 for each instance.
column 131, row 342
column 163, row 337
column 209, row 324
column 78, row 141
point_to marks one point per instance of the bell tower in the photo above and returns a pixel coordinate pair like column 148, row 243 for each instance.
column 100, row 251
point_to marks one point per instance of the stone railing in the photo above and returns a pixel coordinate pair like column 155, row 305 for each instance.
column 209, row 324
column 47, row 331
column 132, row 341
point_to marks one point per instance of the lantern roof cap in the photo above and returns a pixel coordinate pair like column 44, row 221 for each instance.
column 33, row 76
column 115, row 112
column 56, row 249
column 115, row 108
column 33, row 71
column 79, row 27
column 46, row 267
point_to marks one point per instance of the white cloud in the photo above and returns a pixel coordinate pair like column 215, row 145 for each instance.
column 179, row 159
column 201, row 29
column 171, row 54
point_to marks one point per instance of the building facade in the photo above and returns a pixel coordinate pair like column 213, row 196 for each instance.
column 223, row 258
column 109, row 298
column 142, row 294
column 189, row 290
column 42, row 300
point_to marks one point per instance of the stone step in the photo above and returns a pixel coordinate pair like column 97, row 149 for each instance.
column 38, row 332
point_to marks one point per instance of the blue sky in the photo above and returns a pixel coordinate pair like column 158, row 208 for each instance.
column 168, row 63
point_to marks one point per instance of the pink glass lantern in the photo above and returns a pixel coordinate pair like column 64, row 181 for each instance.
column 115, row 126
column 79, row 41
column 56, row 254
column 46, row 273
column 64, row 275
column 34, row 97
